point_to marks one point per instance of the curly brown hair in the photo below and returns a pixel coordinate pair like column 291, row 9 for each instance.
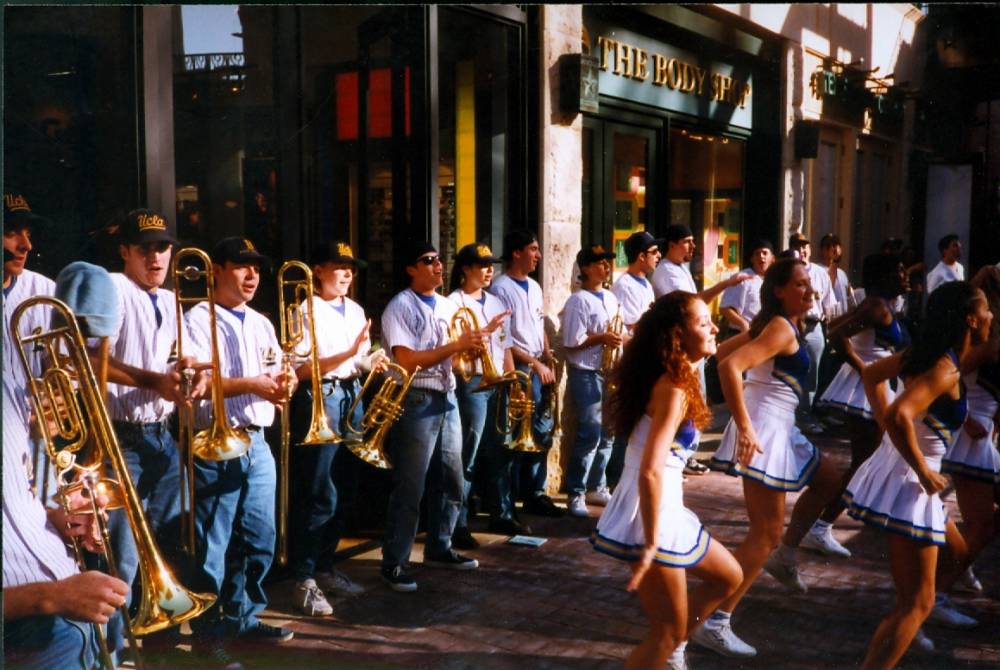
column 654, row 350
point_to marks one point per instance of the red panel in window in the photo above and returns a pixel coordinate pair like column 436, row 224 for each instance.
column 347, row 106
column 380, row 103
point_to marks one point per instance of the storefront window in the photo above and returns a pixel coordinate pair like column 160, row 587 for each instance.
column 630, row 154
column 706, row 194
column 70, row 138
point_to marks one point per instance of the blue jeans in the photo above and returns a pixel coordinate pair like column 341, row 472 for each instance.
column 531, row 470
column 234, row 519
column 153, row 463
column 425, row 446
column 478, row 412
column 815, row 343
column 46, row 642
column 593, row 445
column 315, row 483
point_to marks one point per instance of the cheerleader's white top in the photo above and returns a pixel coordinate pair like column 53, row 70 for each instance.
column 847, row 392
column 885, row 491
column 978, row 458
column 681, row 540
column 772, row 391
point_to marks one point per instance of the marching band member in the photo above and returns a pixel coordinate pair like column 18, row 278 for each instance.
column 633, row 290
column 234, row 499
column 658, row 403
column 426, row 442
column 343, row 349
column 470, row 275
column 869, row 333
column 761, row 444
column 522, row 296
column 822, row 307
column 898, row 488
column 831, row 251
column 19, row 284
column 948, row 268
column 585, row 335
column 741, row 303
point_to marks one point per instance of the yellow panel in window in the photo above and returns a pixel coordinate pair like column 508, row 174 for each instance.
column 465, row 153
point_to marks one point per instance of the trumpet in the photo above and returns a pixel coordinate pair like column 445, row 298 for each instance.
column 292, row 334
column 611, row 355
column 220, row 441
column 72, row 414
column 462, row 321
column 385, row 408
column 520, row 411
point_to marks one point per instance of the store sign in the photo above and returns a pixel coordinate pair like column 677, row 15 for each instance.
column 635, row 68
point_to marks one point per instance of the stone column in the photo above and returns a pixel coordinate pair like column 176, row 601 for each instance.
column 561, row 176
column 793, row 173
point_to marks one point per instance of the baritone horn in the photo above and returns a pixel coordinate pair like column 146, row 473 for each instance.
column 292, row 327
column 462, row 321
column 520, row 414
column 382, row 412
column 72, row 413
column 220, row 441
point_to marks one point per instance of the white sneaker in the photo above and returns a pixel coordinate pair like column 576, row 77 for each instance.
column 310, row 600
column 786, row 573
column 678, row 663
column 968, row 582
column 722, row 641
column 825, row 543
column 944, row 613
column 335, row 580
column 578, row 506
column 600, row 497
column 922, row 642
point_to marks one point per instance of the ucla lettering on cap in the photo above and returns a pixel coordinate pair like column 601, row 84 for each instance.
column 484, row 251
column 344, row 250
column 15, row 203
column 151, row 222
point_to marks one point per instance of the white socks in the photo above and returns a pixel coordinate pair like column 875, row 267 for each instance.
column 820, row 527
column 718, row 620
column 677, row 657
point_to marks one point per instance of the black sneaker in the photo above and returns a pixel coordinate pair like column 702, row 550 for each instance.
column 267, row 633
column 213, row 655
column 693, row 467
column 452, row 561
column 543, row 506
column 463, row 539
column 398, row 579
column 508, row 527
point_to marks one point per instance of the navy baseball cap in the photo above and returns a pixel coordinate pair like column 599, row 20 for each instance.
column 238, row 250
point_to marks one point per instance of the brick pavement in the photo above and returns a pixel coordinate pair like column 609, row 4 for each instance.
column 563, row 605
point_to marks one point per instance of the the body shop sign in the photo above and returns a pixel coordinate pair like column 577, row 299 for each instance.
column 635, row 68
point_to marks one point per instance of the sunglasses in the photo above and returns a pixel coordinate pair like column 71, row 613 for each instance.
column 429, row 259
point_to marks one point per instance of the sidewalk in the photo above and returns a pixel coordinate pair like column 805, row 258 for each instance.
column 563, row 605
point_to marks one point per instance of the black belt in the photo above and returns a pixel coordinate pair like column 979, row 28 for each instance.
column 812, row 323
column 253, row 428
column 346, row 382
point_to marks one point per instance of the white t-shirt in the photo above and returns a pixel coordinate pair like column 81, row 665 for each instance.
column 943, row 273
column 586, row 313
column 635, row 294
column 745, row 296
column 335, row 334
column 410, row 322
column 820, row 281
column 842, row 294
column 527, row 310
column 669, row 277
column 143, row 344
column 486, row 311
column 244, row 346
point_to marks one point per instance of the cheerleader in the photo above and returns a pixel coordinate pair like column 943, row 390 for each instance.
column 645, row 522
column 867, row 334
column 897, row 488
column 762, row 445
column 972, row 460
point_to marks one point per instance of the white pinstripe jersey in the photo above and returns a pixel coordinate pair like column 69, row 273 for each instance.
column 32, row 551
column 243, row 346
column 635, row 294
column 486, row 311
column 140, row 343
column 15, row 382
column 527, row 310
column 335, row 334
column 408, row 322
column 585, row 314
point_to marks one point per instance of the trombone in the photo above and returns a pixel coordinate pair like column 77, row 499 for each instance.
column 382, row 412
column 72, row 413
column 520, row 411
column 292, row 334
column 462, row 321
column 220, row 441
